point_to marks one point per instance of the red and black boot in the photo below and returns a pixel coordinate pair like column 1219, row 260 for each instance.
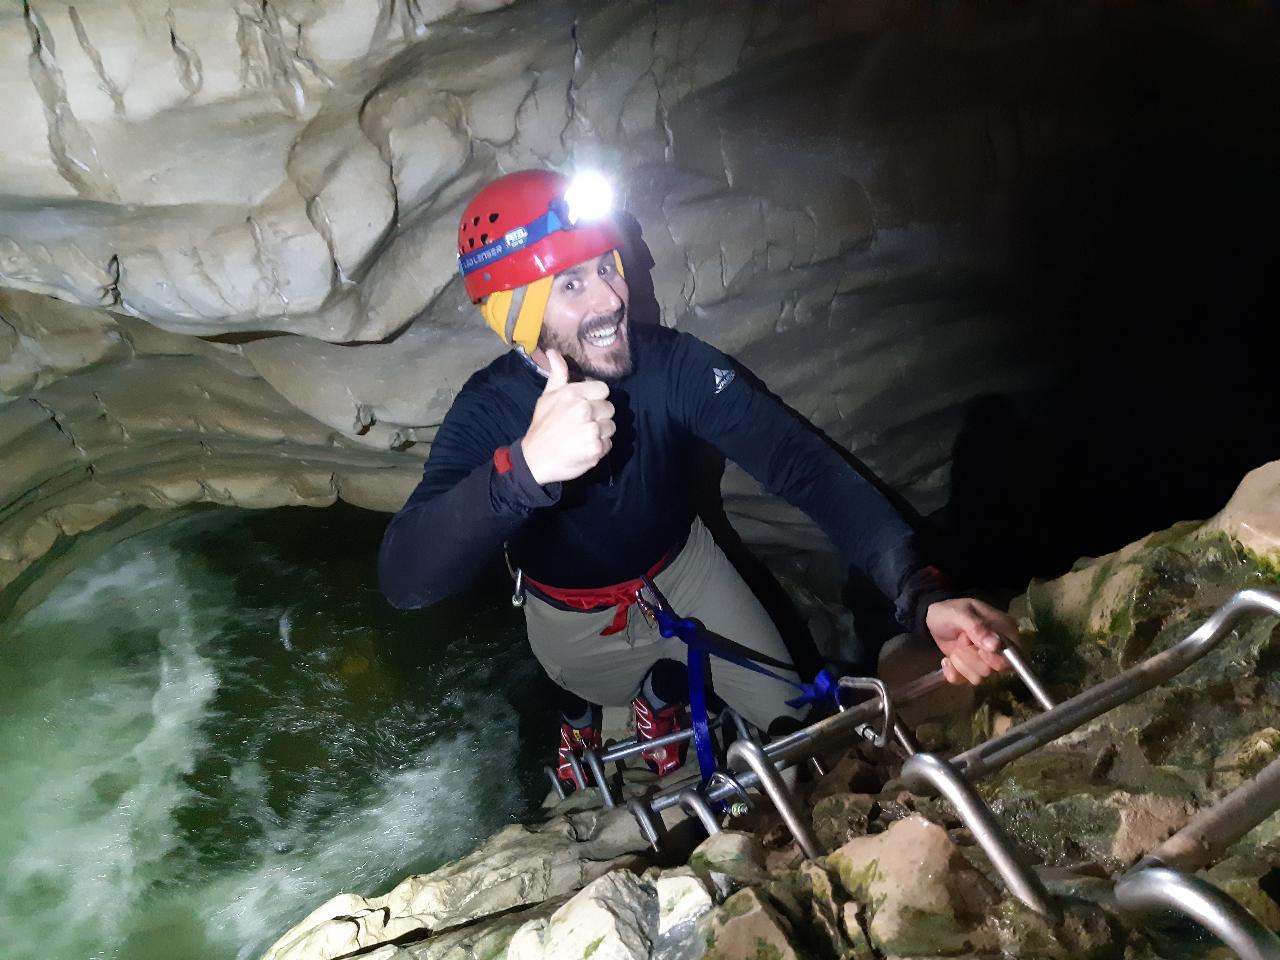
column 575, row 740
column 652, row 723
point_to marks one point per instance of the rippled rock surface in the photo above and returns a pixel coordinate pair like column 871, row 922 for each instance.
column 227, row 268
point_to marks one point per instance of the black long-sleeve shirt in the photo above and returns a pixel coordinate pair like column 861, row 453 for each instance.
column 624, row 515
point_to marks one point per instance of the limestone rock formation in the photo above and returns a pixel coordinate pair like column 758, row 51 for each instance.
column 254, row 210
column 615, row 917
column 517, row 867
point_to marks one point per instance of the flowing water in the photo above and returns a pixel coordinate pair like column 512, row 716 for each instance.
column 220, row 723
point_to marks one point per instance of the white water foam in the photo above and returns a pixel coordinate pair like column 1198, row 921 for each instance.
column 90, row 780
column 106, row 711
column 429, row 810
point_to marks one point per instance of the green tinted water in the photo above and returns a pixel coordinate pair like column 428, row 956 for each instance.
column 220, row 723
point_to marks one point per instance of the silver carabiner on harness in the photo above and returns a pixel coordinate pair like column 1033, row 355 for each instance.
column 517, row 597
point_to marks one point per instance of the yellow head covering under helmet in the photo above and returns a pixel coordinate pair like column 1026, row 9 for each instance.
column 516, row 315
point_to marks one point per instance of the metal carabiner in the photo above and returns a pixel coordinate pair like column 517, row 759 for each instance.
column 517, row 597
column 880, row 738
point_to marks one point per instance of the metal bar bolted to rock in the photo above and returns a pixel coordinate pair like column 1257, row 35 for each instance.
column 1149, row 884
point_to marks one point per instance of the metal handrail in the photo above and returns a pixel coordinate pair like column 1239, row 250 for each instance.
column 807, row 740
column 1027, row 675
column 556, row 785
column 576, row 766
column 629, row 748
column 988, row 757
column 744, row 731
column 597, row 770
column 753, row 755
column 695, row 803
column 618, row 752
column 1211, row 831
column 644, row 817
column 734, row 785
column 1154, row 889
column 927, row 774
column 905, row 738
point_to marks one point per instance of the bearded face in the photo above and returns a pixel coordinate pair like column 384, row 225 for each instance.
column 600, row 347
column 586, row 320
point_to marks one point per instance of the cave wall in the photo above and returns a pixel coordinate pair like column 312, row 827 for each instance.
column 1012, row 258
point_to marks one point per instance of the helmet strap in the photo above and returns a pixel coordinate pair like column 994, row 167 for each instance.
column 494, row 308
column 516, row 315
column 533, row 308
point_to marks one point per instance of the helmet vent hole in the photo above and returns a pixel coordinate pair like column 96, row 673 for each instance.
column 475, row 221
column 484, row 238
column 471, row 242
column 493, row 218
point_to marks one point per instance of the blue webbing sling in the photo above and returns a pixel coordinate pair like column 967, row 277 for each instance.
column 701, row 649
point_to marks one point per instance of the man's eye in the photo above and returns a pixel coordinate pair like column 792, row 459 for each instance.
column 571, row 285
column 606, row 269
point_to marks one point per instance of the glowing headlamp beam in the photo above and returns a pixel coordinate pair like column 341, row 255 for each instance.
column 589, row 196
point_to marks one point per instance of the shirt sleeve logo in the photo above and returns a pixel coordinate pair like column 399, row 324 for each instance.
column 723, row 377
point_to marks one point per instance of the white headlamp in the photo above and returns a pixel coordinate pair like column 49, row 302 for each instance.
column 589, row 196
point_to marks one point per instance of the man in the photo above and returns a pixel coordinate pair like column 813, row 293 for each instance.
column 575, row 451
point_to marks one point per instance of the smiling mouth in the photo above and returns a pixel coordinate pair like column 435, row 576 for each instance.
column 602, row 334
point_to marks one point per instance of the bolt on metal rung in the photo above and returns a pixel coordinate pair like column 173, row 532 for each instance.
column 753, row 755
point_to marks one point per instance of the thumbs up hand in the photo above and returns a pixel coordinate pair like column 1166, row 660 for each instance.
column 571, row 427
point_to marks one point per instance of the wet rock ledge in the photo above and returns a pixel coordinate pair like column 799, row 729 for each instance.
column 901, row 877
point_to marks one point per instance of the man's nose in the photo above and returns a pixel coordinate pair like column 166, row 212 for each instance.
column 604, row 299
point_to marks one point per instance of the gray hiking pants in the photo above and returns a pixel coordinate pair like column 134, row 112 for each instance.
column 699, row 583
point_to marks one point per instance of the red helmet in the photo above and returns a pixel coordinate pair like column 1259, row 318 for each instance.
column 519, row 228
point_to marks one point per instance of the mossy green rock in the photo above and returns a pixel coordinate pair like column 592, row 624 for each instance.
column 922, row 897
column 823, row 915
column 1239, row 877
column 747, row 927
column 1184, row 743
column 1083, row 932
column 732, row 854
column 840, row 817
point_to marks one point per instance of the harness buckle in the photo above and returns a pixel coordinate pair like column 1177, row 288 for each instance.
column 646, row 608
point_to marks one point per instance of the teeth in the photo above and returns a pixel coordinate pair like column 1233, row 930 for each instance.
column 602, row 337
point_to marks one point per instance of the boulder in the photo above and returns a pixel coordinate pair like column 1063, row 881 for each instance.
column 730, row 855
column 1252, row 515
column 612, row 918
column 683, row 905
column 1145, row 822
column 746, row 927
column 922, row 896
column 518, row 866
column 850, row 773
column 825, row 912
